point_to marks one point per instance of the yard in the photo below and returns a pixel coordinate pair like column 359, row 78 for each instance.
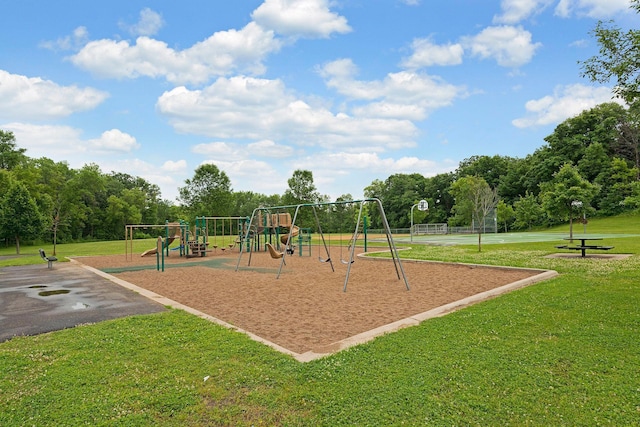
column 563, row 351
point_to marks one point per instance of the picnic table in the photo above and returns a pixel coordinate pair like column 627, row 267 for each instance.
column 584, row 246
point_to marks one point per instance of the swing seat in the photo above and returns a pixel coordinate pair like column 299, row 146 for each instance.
column 274, row 253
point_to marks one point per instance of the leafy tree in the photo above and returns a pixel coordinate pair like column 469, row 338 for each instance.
column 10, row 156
column 633, row 201
column 560, row 195
column 122, row 211
column 543, row 163
column 400, row 192
column 505, row 214
column 118, row 182
column 475, row 200
column 86, row 197
column 599, row 124
column 244, row 202
column 375, row 190
column 53, row 178
column 627, row 145
column 616, row 184
column 436, row 193
column 208, row 193
column 512, row 183
column 302, row 190
column 618, row 59
column 19, row 215
column 463, row 191
column 594, row 162
column 490, row 168
column 344, row 215
column 529, row 211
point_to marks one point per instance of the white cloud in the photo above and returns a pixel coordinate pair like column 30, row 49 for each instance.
column 268, row 148
column 426, row 54
column 514, row 11
column 224, row 151
column 372, row 162
column 509, row 46
column 346, row 171
column 174, row 167
column 75, row 41
column 56, row 142
column 256, row 109
column 254, row 175
column 404, row 95
column 167, row 180
column 300, row 18
column 32, row 98
column 220, row 151
column 113, row 140
column 222, row 53
column 150, row 23
column 566, row 102
column 598, row 9
column 64, row 143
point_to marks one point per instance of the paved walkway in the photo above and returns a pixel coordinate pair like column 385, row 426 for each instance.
column 35, row 299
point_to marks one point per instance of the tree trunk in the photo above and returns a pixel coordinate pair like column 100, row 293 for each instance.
column 55, row 238
column 17, row 245
column 480, row 241
column 571, row 227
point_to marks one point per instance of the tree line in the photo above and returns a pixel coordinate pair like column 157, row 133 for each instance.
column 46, row 201
column 589, row 165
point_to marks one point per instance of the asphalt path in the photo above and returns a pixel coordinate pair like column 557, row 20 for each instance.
column 35, row 299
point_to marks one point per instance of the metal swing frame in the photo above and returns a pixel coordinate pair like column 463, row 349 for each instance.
column 392, row 247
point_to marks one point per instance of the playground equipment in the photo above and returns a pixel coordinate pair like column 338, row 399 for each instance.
column 257, row 218
column 221, row 228
column 227, row 233
column 269, row 228
column 304, row 239
column 172, row 230
column 273, row 252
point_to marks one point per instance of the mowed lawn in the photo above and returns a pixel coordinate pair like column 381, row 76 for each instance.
column 561, row 352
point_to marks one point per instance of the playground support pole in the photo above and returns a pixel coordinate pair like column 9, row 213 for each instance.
column 411, row 229
column 159, row 253
column 166, row 226
column 392, row 245
column 353, row 248
column 365, row 226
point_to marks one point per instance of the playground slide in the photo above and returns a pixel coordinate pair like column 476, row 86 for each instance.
column 154, row 250
column 294, row 232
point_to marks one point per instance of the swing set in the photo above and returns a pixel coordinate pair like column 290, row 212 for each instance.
column 257, row 218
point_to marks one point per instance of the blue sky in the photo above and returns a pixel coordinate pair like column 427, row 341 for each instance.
column 353, row 90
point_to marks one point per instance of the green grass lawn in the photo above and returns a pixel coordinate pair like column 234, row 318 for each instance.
column 562, row 352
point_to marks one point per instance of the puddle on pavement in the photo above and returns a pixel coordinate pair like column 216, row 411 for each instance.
column 80, row 306
column 55, row 292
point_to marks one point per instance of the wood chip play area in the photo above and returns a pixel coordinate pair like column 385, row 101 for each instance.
column 305, row 310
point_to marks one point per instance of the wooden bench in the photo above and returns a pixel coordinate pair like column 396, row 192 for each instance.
column 50, row 259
